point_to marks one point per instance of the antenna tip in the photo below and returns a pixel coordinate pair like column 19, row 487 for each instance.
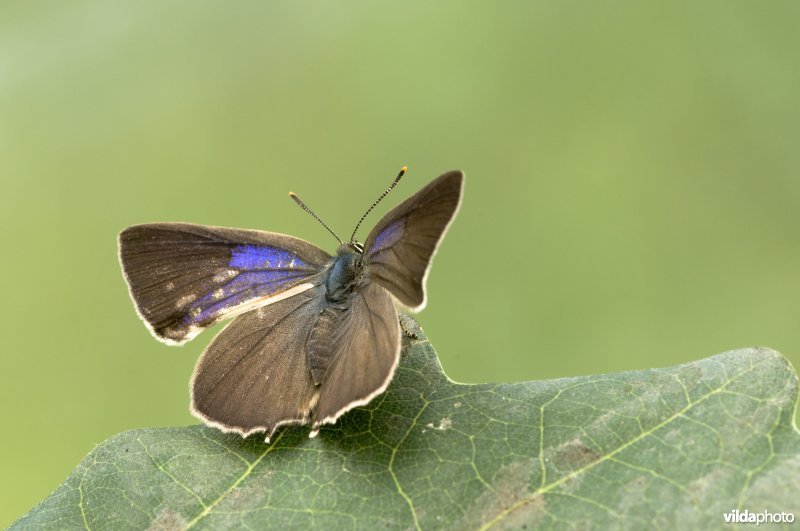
column 403, row 169
column 296, row 199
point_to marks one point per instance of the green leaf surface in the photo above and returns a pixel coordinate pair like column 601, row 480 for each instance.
column 668, row 448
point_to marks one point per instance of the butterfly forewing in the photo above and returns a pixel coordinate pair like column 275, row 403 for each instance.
column 185, row 277
column 398, row 251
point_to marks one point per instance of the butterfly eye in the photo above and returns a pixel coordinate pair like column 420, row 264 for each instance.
column 359, row 247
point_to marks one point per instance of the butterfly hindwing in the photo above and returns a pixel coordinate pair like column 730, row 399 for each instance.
column 398, row 251
column 184, row 278
column 254, row 375
column 365, row 351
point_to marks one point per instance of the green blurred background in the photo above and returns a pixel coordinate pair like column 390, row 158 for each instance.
column 631, row 201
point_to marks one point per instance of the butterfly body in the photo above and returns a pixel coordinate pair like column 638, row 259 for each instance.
column 340, row 285
column 314, row 335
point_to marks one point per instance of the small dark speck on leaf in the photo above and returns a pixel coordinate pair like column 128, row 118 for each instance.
column 574, row 455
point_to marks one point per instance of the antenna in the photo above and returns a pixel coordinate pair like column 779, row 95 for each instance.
column 384, row 194
column 304, row 207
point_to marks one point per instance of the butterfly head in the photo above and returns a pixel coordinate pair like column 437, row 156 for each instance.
column 350, row 248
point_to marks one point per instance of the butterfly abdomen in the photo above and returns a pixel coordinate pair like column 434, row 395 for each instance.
column 319, row 348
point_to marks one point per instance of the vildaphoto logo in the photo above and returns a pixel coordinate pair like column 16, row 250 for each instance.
column 764, row 517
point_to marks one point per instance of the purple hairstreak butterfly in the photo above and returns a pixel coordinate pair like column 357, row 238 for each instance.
column 314, row 335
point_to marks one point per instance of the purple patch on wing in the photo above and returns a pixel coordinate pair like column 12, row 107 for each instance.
column 242, row 288
column 388, row 236
column 260, row 257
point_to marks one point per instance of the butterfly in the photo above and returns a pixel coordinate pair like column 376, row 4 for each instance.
column 314, row 335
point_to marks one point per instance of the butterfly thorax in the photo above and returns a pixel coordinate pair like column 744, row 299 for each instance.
column 344, row 274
